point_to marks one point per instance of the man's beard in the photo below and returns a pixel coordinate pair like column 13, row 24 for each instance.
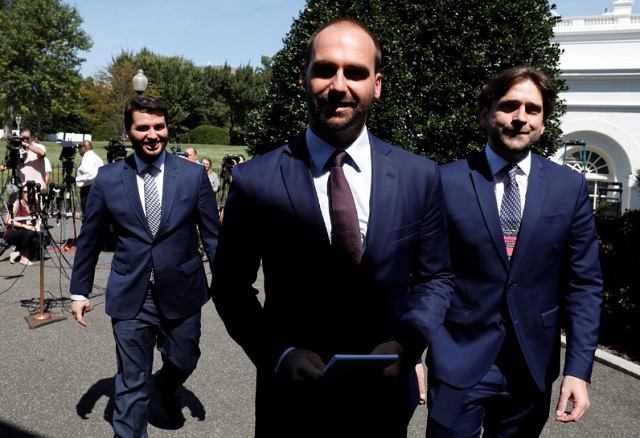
column 318, row 107
column 138, row 146
column 503, row 141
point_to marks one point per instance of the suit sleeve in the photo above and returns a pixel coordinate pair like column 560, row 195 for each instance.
column 431, row 284
column 90, row 240
column 582, row 295
column 234, row 270
column 208, row 218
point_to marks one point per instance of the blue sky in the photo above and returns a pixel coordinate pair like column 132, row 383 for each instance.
column 212, row 32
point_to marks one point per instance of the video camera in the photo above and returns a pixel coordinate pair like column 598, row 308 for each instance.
column 14, row 143
column 115, row 151
column 230, row 160
column 177, row 150
column 67, row 154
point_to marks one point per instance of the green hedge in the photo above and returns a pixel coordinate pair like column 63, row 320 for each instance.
column 619, row 249
column 206, row 134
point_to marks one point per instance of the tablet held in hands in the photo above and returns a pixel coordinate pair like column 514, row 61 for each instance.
column 341, row 364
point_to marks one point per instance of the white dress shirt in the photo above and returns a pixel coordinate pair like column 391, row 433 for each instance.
column 158, row 174
column 496, row 163
column 88, row 168
column 357, row 170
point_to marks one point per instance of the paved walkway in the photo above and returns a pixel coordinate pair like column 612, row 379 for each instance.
column 57, row 379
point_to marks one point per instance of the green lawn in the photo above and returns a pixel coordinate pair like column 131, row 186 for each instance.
column 215, row 152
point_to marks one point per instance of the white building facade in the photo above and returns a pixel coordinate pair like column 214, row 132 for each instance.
column 601, row 127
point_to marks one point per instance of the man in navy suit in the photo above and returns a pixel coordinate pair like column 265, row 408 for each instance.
column 314, row 306
column 491, row 366
column 157, row 283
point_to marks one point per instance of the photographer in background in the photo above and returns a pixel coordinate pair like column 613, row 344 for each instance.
column 30, row 165
column 115, row 151
column 229, row 161
column 87, row 171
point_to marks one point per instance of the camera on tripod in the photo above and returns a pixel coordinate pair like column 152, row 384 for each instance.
column 14, row 143
column 115, row 151
column 67, row 154
column 177, row 150
column 230, row 160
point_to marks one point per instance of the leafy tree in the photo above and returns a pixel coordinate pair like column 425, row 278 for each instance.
column 39, row 62
column 436, row 55
column 240, row 90
column 106, row 95
column 216, row 79
column 619, row 241
column 178, row 82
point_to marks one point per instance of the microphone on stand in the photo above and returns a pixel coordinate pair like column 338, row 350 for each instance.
column 12, row 196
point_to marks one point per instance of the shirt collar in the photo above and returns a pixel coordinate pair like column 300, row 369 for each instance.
column 496, row 162
column 320, row 151
column 158, row 163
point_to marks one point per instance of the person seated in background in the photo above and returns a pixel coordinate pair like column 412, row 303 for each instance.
column 22, row 230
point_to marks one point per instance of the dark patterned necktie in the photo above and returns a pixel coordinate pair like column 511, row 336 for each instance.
column 345, row 227
column 151, row 205
column 510, row 210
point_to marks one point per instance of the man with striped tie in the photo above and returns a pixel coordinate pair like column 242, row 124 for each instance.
column 525, row 253
column 157, row 283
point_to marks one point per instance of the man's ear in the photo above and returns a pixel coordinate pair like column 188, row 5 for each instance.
column 483, row 117
column 303, row 74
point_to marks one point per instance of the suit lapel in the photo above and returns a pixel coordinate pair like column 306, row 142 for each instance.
column 169, row 186
column 298, row 182
column 384, row 196
column 129, row 180
column 536, row 189
column 482, row 181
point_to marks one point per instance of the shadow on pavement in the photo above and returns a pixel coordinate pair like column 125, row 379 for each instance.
column 157, row 417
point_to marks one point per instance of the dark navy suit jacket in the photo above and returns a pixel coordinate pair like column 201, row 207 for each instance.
column 553, row 279
column 187, row 200
column 272, row 216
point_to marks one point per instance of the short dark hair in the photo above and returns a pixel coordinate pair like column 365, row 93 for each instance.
column 345, row 22
column 147, row 104
column 499, row 85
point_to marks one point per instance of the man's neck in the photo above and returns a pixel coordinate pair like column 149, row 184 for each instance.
column 339, row 139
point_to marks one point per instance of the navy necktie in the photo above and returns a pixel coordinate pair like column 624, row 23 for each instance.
column 510, row 210
column 345, row 227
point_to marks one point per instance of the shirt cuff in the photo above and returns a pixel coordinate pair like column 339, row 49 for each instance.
column 75, row 297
